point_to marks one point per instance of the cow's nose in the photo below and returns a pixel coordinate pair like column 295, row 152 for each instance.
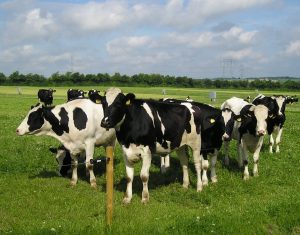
column 104, row 123
column 261, row 132
column 17, row 131
column 226, row 137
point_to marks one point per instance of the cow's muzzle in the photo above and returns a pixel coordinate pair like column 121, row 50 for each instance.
column 226, row 137
column 261, row 132
column 105, row 124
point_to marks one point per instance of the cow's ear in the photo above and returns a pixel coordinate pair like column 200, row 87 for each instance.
column 238, row 118
column 129, row 98
column 99, row 100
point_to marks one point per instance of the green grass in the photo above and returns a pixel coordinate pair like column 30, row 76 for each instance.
column 35, row 200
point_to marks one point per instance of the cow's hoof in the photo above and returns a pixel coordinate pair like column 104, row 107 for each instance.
column 226, row 161
column 214, row 179
column 126, row 200
column 145, row 200
column 204, row 182
column 255, row 174
column 73, row 183
column 199, row 188
column 186, row 186
column 246, row 177
column 94, row 185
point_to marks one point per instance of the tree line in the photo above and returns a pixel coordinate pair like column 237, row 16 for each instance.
column 141, row 79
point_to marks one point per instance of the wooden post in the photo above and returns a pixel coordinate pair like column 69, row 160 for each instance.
column 109, row 184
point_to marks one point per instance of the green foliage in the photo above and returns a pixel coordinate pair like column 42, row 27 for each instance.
column 75, row 78
column 35, row 200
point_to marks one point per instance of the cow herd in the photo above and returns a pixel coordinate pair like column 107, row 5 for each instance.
column 144, row 127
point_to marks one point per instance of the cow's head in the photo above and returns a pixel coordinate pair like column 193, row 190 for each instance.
column 115, row 104
column 258, row 115
column 229, row 118
column 63, row 159
column 280, row 101
column 34, row 123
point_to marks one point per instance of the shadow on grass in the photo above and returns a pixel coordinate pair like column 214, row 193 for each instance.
column 156, row 178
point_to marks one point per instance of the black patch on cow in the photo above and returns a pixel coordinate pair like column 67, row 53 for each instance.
column 80, row 118
column 66, row 164
column 57, row 127
column 35, row 120
column 64, row 121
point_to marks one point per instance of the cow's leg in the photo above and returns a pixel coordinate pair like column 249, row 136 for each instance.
column 256, row 156
column 226, row 152
column 197, row 162
column 146, row 158
column 271, row 143
column 162, row 165
column 213, row 162
column 244, row 152
column 89, row 151
column 130, row 174
column 278, row 139
column 239, row 154
column 167, row 162
column 204, row 169
column 74, row 169
column 183, row 157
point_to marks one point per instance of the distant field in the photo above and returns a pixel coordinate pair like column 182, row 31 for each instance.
column 35, row 200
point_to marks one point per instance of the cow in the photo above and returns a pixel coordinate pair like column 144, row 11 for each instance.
column 249, row 129
column 291, row 99
column 75, row 124
column 64, row 160
column 276, row 104
column 231, row 109
column 73, row 94
column 212, row 130
column 46, row 96
column 146, row 127
column 63, row 156
column 94, row 96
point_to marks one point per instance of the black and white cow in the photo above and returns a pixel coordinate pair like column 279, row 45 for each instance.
column 249, row 131
column 73, row 94
column 46, row 96
column 276, row 104
column 212, row 131
column 231, row 109
column 75, row 124
column 95, row 96
column 146, row 127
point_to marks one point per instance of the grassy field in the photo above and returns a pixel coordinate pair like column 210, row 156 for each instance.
column 35, row 200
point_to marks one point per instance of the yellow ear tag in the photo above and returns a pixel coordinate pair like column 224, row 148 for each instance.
column 239, row 119
column 212, row 120
column 128, row 102
column 98, row 101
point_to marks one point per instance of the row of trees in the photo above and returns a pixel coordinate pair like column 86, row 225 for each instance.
column 71, row 79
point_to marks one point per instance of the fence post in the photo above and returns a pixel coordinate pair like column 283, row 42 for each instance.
column 109, row 184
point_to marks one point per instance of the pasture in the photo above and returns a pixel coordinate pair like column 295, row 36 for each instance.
column 35, row 200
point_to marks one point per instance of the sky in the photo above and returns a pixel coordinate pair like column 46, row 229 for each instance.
column 194, row 38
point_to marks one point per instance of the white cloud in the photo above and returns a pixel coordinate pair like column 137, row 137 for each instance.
column 246, row 53
column 94, row 16
column 293, row 49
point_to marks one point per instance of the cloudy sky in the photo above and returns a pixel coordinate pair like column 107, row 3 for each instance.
column 195, row 38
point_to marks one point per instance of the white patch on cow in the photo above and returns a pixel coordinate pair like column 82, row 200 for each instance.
column 261, row 114
column 235, row 104
column 161, row 150
column 148, row 111
column 280, row 101
column 162, row 125
column 111, row 94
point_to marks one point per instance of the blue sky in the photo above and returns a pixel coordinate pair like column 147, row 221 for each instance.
column 195, row 38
